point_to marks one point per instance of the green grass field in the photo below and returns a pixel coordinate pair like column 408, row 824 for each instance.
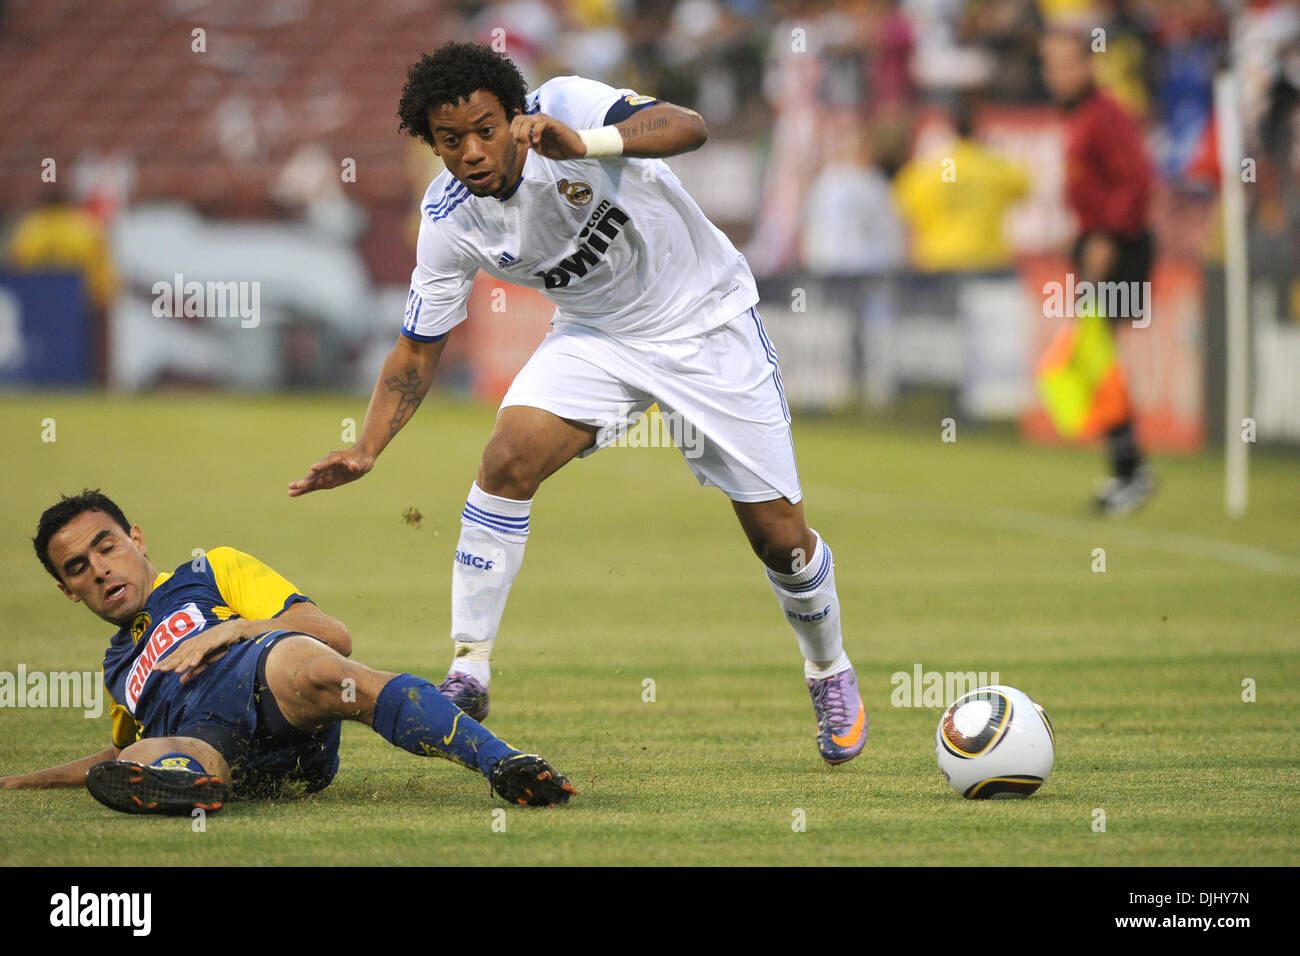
column 971, row 556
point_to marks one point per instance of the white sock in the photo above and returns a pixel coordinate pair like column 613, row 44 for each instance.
column 809, row 602
column 473, row 658
column 493, row 532
column 813, row 673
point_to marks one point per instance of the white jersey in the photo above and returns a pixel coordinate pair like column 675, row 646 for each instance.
column 617, row 244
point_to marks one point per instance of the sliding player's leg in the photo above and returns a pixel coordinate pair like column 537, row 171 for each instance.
column 163, row 775
column 314, row 686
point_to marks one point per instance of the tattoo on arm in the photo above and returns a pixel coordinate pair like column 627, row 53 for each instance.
column 410, row 390
column 653, row 128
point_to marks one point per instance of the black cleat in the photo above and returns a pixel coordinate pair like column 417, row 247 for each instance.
column 134, row 788
column 528, row 780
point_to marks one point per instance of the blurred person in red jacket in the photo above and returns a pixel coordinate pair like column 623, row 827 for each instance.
column 1107, row 186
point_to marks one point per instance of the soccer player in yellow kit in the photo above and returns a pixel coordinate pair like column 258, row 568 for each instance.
column 223, row 674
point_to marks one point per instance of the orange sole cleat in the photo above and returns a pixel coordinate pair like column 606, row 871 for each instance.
column 528, row 780
column 130, row 787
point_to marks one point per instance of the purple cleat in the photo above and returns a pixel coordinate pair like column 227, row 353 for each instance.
column 841, row 718
column 467, row 694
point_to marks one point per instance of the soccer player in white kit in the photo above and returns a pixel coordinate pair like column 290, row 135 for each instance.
column 564, row 190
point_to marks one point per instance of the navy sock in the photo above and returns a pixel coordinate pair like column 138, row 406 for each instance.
column 411, row 713
column 178, row 761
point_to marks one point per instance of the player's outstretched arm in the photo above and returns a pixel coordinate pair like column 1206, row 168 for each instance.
column 403, row 382
column 71, row 774
column 656, row 131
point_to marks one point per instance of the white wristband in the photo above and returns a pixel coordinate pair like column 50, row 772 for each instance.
column 606, row 141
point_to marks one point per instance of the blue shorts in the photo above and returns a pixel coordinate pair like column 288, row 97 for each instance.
column 233, row 711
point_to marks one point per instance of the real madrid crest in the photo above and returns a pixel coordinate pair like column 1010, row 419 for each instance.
column 578, row 194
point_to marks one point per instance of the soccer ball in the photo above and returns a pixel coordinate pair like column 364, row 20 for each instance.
column 995, row 743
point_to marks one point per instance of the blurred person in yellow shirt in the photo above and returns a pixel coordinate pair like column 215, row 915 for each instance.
column 953, row 202
column 58, row 234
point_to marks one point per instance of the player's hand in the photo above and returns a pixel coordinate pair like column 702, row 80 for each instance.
column 194, row 655
column 336, row 468
column 547, row 135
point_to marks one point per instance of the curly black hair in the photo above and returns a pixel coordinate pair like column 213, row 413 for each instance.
column 452, row 73
column 57, row 515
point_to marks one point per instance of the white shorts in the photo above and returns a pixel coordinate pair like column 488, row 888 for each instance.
column 719, row 394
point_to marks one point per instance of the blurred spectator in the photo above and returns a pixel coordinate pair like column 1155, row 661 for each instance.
column 954, row 201
column 1066, row 11
column 59, row 235
column 1123, row 71
column 1188, row 56
column 890, row 98
column 850, row 224
column 823, row 59
column 592, row 42
column 944, row 62
column 791, row 86
column 1270, row 40
column 1008, row 30
column 310, row 183
column 525, row 30
column 889, row 47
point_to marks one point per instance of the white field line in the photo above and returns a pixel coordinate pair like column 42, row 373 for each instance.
column 1049, row 525
column 1061, row 527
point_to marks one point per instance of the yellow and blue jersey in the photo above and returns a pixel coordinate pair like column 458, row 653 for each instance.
column 219, row 585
